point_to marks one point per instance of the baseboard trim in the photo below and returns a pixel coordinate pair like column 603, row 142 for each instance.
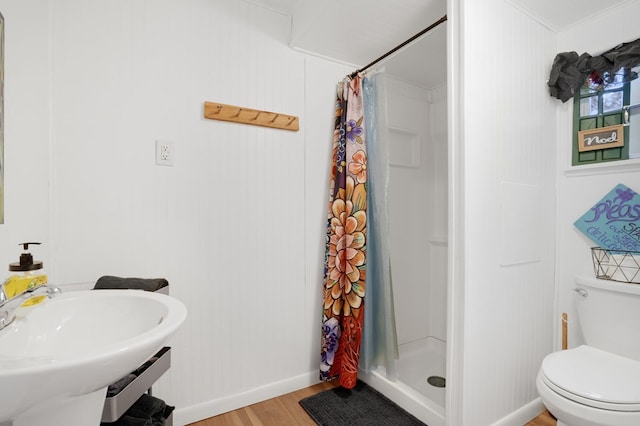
column 204, row 410
column 522, row 415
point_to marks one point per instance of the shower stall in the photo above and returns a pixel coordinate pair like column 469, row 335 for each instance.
column 416, row 121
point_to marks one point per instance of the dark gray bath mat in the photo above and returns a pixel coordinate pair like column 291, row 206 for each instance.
column 360, row 406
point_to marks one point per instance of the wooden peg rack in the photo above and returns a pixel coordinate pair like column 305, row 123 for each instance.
column 216, row 111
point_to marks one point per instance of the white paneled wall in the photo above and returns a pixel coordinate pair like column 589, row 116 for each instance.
column 26, row 131
column 227, row 225
column 508, row 124
column 581, row 187
column 237, row 224
column 139, row 73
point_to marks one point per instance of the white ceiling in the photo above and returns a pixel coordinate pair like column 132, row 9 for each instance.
column 424, row 62
column 383, row 24
column 558, row 15
column 283, row 6
column 362, row 30
column 367, row 29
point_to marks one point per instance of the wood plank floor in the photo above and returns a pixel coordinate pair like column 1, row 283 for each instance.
column 285, row 411
column 544, row 419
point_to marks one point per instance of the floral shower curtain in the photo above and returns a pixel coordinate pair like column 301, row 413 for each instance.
column 345, row 257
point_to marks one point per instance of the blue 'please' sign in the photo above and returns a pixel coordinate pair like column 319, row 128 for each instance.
column 614, row 222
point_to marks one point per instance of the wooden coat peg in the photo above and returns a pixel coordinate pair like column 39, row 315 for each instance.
column 222, row 112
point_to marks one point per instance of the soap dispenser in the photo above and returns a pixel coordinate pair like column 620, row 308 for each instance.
column 30, row 275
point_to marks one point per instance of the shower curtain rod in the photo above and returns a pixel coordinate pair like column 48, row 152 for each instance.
column 400, row 46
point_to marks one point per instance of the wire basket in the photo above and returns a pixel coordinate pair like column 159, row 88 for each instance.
column 616, row 265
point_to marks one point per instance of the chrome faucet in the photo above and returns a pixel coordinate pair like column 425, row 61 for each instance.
column 8, row 306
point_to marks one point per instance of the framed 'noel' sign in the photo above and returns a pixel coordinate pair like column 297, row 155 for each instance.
column 601, row 138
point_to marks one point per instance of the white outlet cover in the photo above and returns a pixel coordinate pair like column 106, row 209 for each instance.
column 165, row 153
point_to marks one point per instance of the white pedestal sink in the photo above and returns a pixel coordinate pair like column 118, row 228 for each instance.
column 58, row 357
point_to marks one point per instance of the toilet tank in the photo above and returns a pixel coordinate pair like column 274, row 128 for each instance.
column 609, row 315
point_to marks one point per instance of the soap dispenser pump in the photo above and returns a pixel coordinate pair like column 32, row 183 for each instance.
column 26, row 262
column 28, row 278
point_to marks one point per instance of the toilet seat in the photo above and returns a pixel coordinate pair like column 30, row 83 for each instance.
column 594, row 378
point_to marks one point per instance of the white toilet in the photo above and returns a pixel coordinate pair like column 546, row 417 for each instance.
column 598, row 384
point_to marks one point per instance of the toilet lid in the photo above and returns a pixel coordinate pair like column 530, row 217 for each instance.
column 594, row 377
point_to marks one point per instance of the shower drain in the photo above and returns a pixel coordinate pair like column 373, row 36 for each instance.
column 437, row 381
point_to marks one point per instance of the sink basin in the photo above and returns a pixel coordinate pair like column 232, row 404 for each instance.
column 60, row 355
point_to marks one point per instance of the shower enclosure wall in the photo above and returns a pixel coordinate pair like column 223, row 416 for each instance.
column 417, row 127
